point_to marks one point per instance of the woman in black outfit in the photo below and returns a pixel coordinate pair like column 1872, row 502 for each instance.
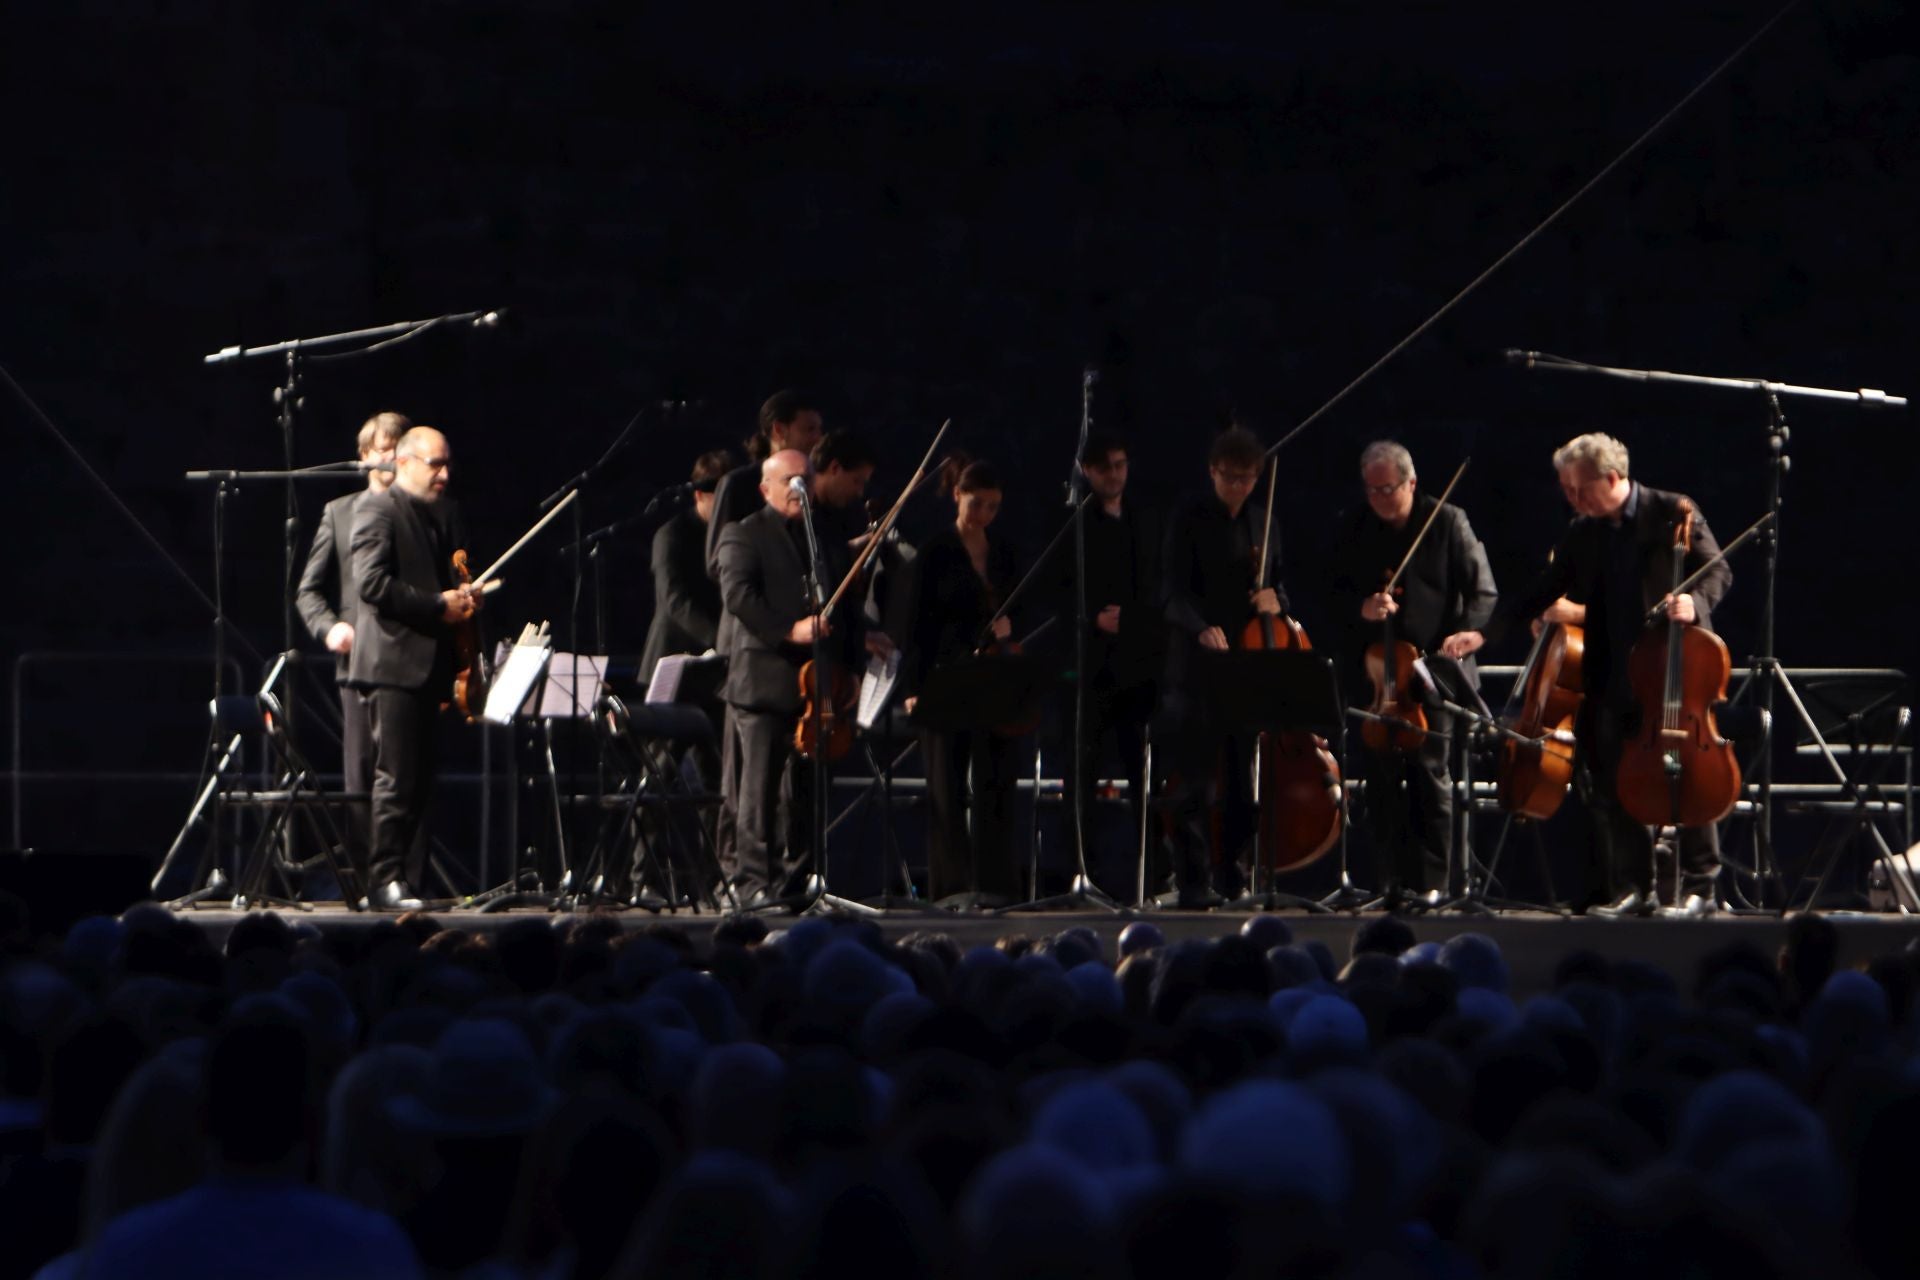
column 963, row 575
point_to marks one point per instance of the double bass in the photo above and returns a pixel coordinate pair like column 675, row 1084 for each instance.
column 1298, row 780
column 1676, row 769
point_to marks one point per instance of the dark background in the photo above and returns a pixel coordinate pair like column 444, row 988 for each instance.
column 921, row 218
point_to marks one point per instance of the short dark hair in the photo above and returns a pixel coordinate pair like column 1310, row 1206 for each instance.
column 781, row 406
column 1100, row 446
column 848, row 448
column 386, row 425
column 1236, row 446
column 708, row 468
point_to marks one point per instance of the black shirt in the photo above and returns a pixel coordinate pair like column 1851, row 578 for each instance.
column 1209, row 563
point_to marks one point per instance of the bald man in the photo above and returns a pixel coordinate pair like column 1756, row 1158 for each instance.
column 402, row 657
column 767, row 627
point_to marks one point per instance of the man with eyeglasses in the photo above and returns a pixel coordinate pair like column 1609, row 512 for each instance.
column 1443, row 599
column 1209, row 560
column 1613, row 567
column 402, row 660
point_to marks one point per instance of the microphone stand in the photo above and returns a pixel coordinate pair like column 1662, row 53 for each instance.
column 1765, row 671
column 818, row 769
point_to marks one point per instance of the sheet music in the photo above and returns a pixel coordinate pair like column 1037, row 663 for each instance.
column 559, row 699
column 876, row 687
column 514, row 681
column 665, row 685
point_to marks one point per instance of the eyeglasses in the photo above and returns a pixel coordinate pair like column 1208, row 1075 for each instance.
column 1384, row 490
column 432, row 464
column 1237, row 477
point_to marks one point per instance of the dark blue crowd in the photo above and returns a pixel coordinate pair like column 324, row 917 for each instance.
column 565, row 1097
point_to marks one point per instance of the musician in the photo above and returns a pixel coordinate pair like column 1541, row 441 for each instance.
column 402, row 657
column 788, row 420
column 686, row 602
column 843, row 465
column 1209, row 559
column 1444, row 597
column 1126, row 631
column 962, row 575
column 767, row 628
column 328, row 607
column 1612, row 568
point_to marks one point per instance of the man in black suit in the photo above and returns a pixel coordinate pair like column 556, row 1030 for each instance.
column 1210, row 560
column 767, row 630
column 1126, row 631
column 686, row 602
column 403, row 544
column 1444, row 598
column 1613, row 567
column 788, row 420
column 328, row 606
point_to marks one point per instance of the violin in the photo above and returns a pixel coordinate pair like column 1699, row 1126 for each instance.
column 1676, row 769
column 1396, row 722
column 1536, row 754
column 1298, row 780
column 469, row 663
column 825, row 728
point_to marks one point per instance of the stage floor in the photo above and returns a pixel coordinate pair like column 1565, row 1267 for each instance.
column 1533, row 942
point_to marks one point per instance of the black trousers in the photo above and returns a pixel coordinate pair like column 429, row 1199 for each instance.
column 1209, row 776
column 1120, row 713
column 1409, row 809
column 767, row 789
column 404, row 725
column 356, row 773
column 981, row 860
column 1621, row 853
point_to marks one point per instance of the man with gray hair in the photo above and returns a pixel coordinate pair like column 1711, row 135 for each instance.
column 1443, row 599
column 1613, row 567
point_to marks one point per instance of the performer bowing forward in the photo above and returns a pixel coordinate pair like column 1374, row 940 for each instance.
column 1447, row 596
column 403, row 545
column 1612, row 568
column 1210, row 558
column 962, row 574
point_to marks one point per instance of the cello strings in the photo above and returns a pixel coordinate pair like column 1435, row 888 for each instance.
column 1420, row 329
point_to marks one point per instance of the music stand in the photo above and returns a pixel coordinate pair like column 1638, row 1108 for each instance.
column 1272, row 691
column 973, row 696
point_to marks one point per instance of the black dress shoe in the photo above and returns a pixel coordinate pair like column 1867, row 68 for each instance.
column 395, row 896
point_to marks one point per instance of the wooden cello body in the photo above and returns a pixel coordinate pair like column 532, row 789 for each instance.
column 1536, row 756
column 1676, row 769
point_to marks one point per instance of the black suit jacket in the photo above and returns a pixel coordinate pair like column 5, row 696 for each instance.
column 686, row 602
column 1580, row 561
column 1123, row 568
column 762, row 594
column 401, row 564
column 323, row 598
column 1448, row 585
column 736, row 497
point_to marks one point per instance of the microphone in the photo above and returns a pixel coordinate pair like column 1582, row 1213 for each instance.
column 491, row 320
column 796, row 484
column 1525, row 359
column 1090, row 375
column 373, row 466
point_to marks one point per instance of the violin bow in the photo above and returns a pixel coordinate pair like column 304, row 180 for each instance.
column 1431, row 517
column 1039, row 561
column 1687, row 584
column 1266, row 530
column 879, row 534
column 480, row 582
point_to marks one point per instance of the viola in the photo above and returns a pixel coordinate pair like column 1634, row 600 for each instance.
column 469, row 663
column 1676, row 769
column 1396, row 723
column 1536, row 754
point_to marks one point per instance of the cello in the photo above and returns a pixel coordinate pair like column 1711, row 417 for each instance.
column 1297, row 779
column 1676, row 770
column 1536, row 752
